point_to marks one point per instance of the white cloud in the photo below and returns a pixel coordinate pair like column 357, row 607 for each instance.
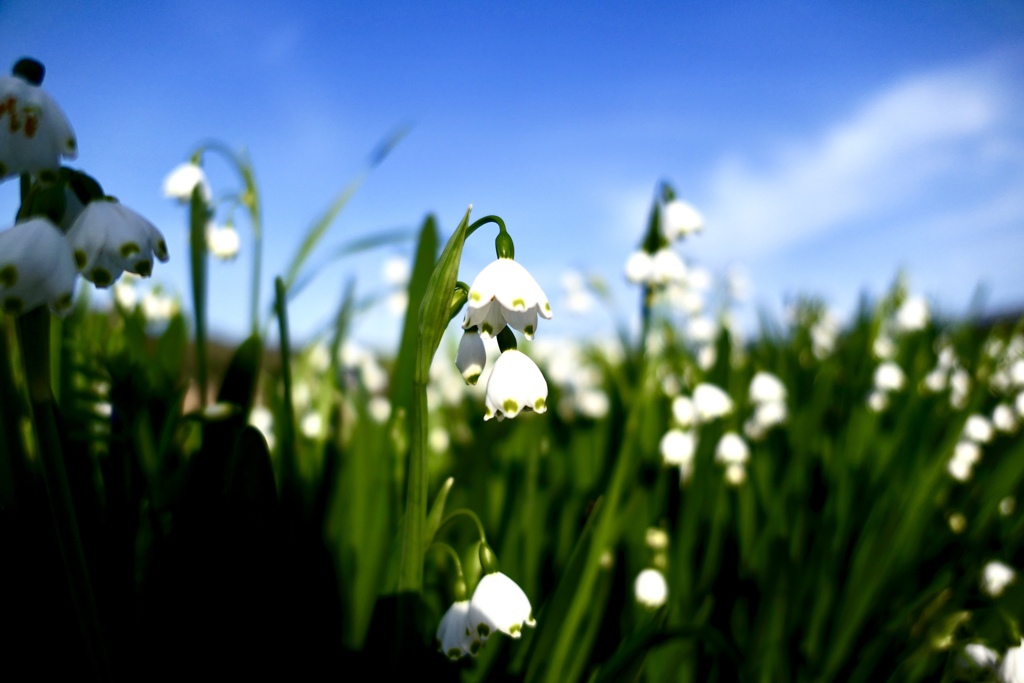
column 884, row 158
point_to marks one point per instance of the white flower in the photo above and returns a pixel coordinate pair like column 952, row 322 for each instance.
column 222, row 241
column 960, row 388
column 639, row 267
column 711, row 402
column 996, row 577
column 379, row 409
column 499, row 604
column 679, row 219
column 732, row 450
column 935, row 381
column 108, row 238
column 884, row 347
column 1012, row 668
column 770, row 414
column 677, row 448
column 656, row 538
column 683, row 411
column 36, row 268
column 1003, row 418
column 312, row 425
column 912, row 314
column 182, row 180
column 34, row 133
column 505, row 293
column 650, row 588
column 981, row 656
column 878, row 401
column 889, row 377
column 735, row 474
column 157, row 307
column 666, row 266
column 701, row 330
column 472, row 357
column 978, row 429
column 515, row 384
column 766, row 387
column 453, row 635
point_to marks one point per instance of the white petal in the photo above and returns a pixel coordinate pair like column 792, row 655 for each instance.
column 515, row 384
column 454, row 637
column 472, row 357
column 499, row 604
column 36, row 268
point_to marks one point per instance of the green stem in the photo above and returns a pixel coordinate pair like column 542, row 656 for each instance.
column 464, row 512
column 288, row 466
column 34, row 340
column 199, row 214
column 411, row 577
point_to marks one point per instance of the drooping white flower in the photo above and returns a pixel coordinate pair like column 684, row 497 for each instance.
column 711, row 402
column 34, row 133
column 732, row 450
column 995, row 577
column 889, row 377
column 683, row 411
column 505, row 293
column 472, row 357
column 109, row 238
column 222, row 241
column 912, row 314
column 765, row 387
column 650, row 588
column 499, row 604
column 679, row 219
column 678, row 447
column 182, row 180
column 1012, row 668
column 981, row 656
column 515, row 384
column 454, row 638
column 978, row 429
column 36, row 268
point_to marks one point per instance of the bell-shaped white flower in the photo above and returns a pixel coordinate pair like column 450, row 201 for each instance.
column 182, row 180
column 36, row 268
column 222, row 241
column 679, row 219
column 1012, row 668
column 732, row 450
column 472, row 357
column 109, row 238
column 711, row 402
column 650, row 588
column 505, row 293
column 515, row 384
column 995, row 577
column 34, row 133
column 454, row 637
column 981, row 656
column 766, row 387
column 499, row 604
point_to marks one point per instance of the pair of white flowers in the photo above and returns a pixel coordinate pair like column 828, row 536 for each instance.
column 663, row 266
column 504, row 293
column 38, row 263
column 498, row 604
column 222, row 240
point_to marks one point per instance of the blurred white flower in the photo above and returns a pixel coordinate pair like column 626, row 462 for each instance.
column 592, row 403
column 735, row 474
column 639, row 267
column 981, row 656
column 578, row 299
column 158, row 307
column 732, row 450
column 957, row 523
column 995, row 577
column 960, row 388
column 706, row 357
column 312, row 425
column 679, row 219
column 319, row 357
column 1007, row 505
column 438, row 439
column 650, row 588
column 966, row 455
column 36, row 268
column 515, row 384
column 978, row 429
column 1017, row 372
column 683, row 411
column 1019, row 404
column 1003, row 418
column 770, row 414
column 396, row 271
column 499, row 604
column 454, row 638
column 935, row 381
column 379, row 409
column 222, row 241
column 912, row 314
column 678, row 447
column 711, row 402
column 1012, row 668
column 660, row 268
column 824, row 333
column 262, row 419
column 505, row 293
column 182, row 180
column 878, row 401
column 471, row 357
column 701, row 329
column 656, row 538
column 34, row 132
column 889, row 377
column 884, row 347
column 766, row 387
column 108, row 238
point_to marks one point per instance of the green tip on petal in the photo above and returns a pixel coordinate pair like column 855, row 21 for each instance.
column 519, row 304
column 80, row 259
column 474, row 296
column 71, row 144
column 472, row 379
column 510, row 406
column 129, row 248
column 486, row 328
column 474, row 647
column 8, row 275
column 454, row 653
column 13, row 305
column 484, row 630
column 144, row 268
column 514, row 629
column 528, row 330
column 101, row 277
column 547, row 307
column 161, row 250
column 540, row 405
column 64, row 302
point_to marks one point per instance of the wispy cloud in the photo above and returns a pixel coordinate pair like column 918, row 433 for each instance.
column 882, row 160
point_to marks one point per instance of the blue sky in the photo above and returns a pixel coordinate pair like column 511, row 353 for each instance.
column 827, row 144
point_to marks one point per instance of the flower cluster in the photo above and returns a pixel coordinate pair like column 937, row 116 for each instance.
column 66, row 224
column 655, row 264
column 504, row 295
column 498, row 604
